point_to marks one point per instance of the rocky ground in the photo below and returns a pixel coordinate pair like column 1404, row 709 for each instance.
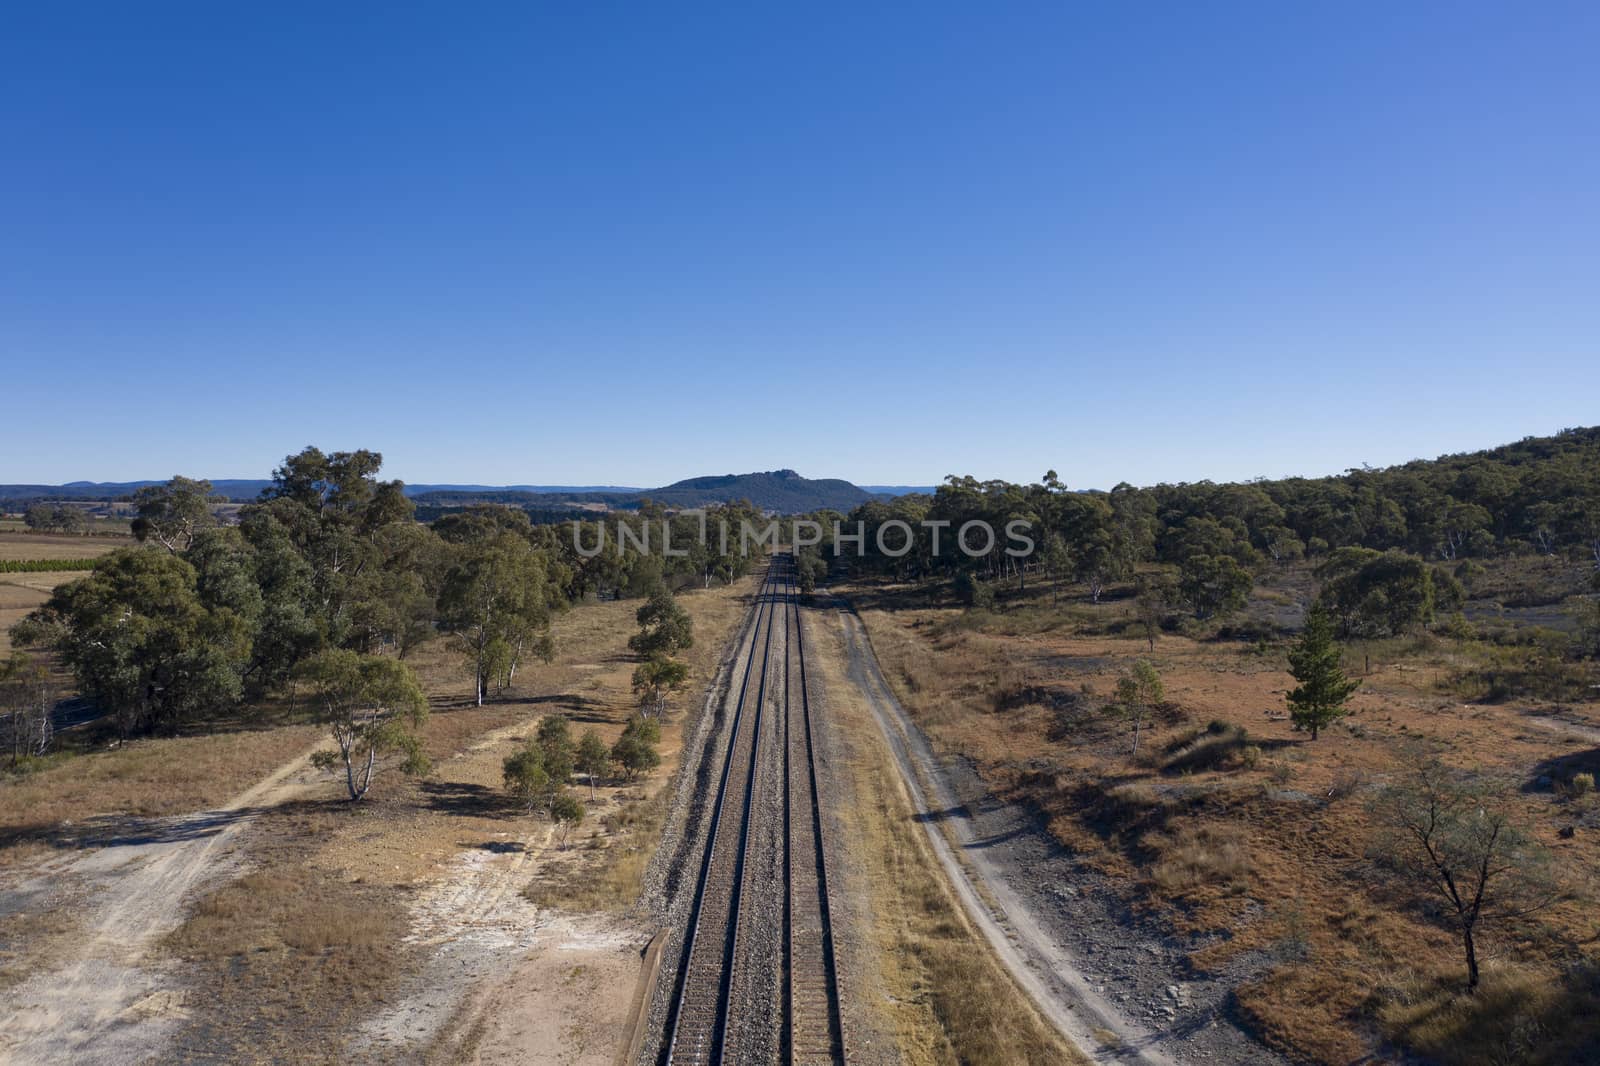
column 1116, row 982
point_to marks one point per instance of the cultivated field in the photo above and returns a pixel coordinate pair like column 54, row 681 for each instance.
column 21, row 593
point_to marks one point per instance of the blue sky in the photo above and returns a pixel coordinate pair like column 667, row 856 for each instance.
column 625, row 244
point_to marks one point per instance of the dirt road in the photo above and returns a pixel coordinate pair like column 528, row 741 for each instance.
column 1115, row 992
column 110, row 1003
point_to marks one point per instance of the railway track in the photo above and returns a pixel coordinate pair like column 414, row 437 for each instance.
column 759, row 982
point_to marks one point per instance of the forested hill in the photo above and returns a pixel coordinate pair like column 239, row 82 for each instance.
column 776, row 490
column 782, row 491
column 1540, row 495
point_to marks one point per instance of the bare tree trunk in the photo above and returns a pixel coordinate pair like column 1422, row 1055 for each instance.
column 1472, row 960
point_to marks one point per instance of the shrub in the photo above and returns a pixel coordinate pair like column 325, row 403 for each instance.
column 1220, row 744
column 1581, row 784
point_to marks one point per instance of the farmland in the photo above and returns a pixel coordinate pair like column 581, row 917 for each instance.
column 22, row 592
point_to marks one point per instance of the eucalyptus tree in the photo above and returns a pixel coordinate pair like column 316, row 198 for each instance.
column 142, row 641
column 373, row 706
column 496, row 598
column 173, row 514
column 333, row 510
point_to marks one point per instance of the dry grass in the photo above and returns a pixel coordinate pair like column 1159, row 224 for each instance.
column 1219, row 827
column 1513, row 1018
column 288, row 954
column 53, row 546
column 144, row 778
column 1199, row 855
column 603, row 869
column 946, row 998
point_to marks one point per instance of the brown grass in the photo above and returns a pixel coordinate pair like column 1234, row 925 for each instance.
column 145, row 778
column 1199, row 855
column 1513, row 1017
column 945, row 996
column 288, row 954
column 52, row 546
column 1221, row 828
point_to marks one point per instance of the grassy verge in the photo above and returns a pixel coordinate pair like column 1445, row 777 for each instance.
column 944, row 995
column 605, row 872
column 143, row 778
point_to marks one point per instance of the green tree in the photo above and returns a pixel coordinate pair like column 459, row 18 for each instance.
column 1319, row 699
column 56, row 518
column 1139, row 692
column 526, row 777
column 592, row 758
column 1213, row 586
column 664, row 626
column 554, row 739
column 373, row 706
column 142, row 643
column 497, row 601
column 655, row 678
column 335, row 512
column 567, row 813
column 173, row 513
column 635, row 750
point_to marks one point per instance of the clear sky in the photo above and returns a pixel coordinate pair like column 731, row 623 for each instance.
column 606, row 243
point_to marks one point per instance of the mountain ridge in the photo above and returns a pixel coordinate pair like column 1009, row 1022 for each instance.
column 772, row 490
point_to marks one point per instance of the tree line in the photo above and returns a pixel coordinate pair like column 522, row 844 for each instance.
column 1365, row 528
column 56, row 518
column 327, row 581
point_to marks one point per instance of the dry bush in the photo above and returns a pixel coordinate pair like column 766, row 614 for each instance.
column 1219, row 745
column 1127, row 803
column 609, row 877
column 1346, row 783
column 1515, row 1017
column 1199, row 855
column 1579, row 785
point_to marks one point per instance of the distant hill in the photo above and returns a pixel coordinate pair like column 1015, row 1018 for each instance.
column 783, row 491
column 776, row 490
column 245, row 489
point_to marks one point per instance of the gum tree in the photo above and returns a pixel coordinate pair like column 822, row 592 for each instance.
column 373, row 706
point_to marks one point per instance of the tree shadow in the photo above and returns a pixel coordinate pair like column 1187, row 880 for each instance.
column 496, row 847
column 124, row 831
column 1548, row 774
column 468, row 800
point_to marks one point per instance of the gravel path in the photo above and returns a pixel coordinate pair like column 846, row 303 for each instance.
column 1118, row 986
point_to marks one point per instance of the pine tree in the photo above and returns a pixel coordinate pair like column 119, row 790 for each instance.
column 1314, row 661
